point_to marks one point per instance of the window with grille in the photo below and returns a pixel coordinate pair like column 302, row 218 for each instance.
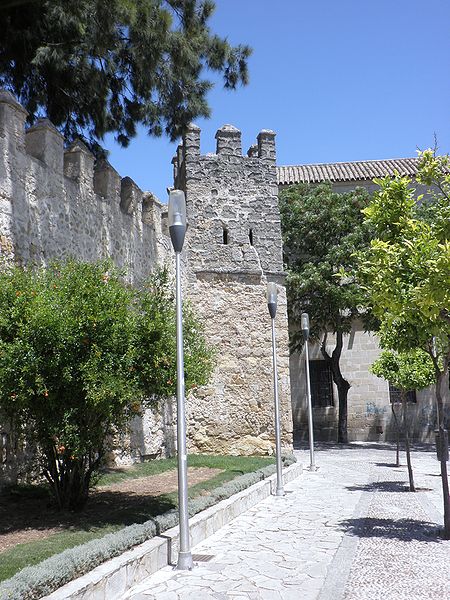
column 395, row 396
column 321, row 383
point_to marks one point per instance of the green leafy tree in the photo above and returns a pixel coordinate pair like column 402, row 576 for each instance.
column 322, row 230
column 407, row 371
column 99, row 66
column 406, row 274
column 81, row 352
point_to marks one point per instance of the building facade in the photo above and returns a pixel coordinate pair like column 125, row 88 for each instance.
column 370, row 398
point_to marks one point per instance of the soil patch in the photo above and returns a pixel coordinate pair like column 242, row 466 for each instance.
column 24, row 519
column 155, row 485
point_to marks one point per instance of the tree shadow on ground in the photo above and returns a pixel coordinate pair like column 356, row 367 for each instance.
column 324, row 446
column 384, row 486
column 405, row 530
column 18, row 513
column 393, row 465
column 380, row 486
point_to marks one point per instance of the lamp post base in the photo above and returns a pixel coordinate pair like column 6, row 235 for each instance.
column 312, row 468
column 279, row 492
column 185, row 562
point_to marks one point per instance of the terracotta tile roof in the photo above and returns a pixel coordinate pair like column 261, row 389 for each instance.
column 362, row 170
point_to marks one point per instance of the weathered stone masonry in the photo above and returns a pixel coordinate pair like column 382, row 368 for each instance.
column 233, row 247
column 55, row 203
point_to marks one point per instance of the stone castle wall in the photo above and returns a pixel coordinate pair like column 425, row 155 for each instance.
column 55, row 202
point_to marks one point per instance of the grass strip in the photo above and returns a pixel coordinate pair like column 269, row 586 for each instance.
column 36, row 581
column 31, row 553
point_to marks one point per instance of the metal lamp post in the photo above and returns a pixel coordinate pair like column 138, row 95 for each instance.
column 305, row 331
column 177, row 230
column 272, row 306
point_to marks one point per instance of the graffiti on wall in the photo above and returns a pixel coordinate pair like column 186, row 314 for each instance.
column 373, row 410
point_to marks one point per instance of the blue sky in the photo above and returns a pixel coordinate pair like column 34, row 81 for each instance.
column 338, row 80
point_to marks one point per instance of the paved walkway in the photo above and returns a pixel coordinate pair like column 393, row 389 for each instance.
column 349, row 531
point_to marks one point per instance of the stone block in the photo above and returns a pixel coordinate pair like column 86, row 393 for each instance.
column 43, row 141
column 229, row 141
column 130, row 196
column 174, row 163
column 12, row 121
column 79, row 163
column 116, row 584
column 266, row 145
column 191, row 143
column 180, row 155
column 252, row 152
column 107, row 181
column 93, row 592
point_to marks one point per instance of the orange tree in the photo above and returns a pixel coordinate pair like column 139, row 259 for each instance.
column 407, row 371
column 405, row 273
column 81, row 351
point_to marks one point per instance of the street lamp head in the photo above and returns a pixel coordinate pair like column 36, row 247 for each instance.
column 272, row 299
column 305, row 326
column 177, row 219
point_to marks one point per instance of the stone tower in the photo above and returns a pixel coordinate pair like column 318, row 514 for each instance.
column 233, row 247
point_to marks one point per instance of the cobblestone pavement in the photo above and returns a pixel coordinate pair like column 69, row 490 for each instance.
column 348, row 531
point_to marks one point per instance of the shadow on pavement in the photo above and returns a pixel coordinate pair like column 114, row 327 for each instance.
column 405, row 530
column 324, row 446
column 380, row 486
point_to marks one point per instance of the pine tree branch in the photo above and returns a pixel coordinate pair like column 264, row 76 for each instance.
column 7, row 4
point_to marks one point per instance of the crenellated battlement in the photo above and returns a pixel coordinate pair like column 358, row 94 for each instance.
column 232, row 203
column 45, row 143
column 69, row 203
column 228, row 148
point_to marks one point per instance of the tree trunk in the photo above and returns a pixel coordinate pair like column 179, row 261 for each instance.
column 440, row 380
column 397, row 431
column 342, row 384
column 69, row 479
column 445, row 492
column 406, row 434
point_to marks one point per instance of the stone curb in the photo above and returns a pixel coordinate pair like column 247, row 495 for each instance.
column 113, row 578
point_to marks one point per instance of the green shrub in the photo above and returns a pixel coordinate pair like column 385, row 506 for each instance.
column 80, row 351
